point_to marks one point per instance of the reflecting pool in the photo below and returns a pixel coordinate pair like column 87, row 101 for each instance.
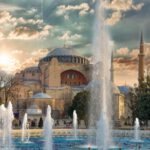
column 67, row 143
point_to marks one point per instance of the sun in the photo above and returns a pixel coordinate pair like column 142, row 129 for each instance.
column 5, row 60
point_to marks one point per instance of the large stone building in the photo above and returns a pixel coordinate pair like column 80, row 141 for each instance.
column 61, row 74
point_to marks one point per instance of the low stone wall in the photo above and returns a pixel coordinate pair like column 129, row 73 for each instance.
column 130, row 133
column 82, row 132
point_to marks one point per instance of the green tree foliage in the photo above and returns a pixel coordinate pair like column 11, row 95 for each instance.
column 144, row 100
column 80, row 104
column 139, row 103
column 133, row 103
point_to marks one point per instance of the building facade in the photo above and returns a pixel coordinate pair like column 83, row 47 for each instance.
column 62, row 73
column 59, row 76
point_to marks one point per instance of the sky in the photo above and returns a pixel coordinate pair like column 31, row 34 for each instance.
column 30, row 29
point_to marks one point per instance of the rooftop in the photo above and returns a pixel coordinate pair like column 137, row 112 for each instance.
column 63, row 52
column 41, row 95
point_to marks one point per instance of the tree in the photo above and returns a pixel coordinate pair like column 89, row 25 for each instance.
column 133, row 103
column 139, row 103
column 80, row 104
column 7, row 85
column 144, row 101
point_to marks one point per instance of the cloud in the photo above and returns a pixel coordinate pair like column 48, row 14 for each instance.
column 128, row 59
column 33, row 58
column 26, row 33
column 122, row 52
column 83, row 9
column 32, row 11
column 21, row 28
column 5, row 17
column 22, row 59
column 8, row 7
column 115, row 18
column 67, row 36
column 118, row 7
column 122, row 5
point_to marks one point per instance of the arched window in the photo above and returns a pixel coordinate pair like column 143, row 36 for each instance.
column 73, row 78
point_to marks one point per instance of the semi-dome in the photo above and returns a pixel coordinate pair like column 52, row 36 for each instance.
column 65, row 55
column 41, row 95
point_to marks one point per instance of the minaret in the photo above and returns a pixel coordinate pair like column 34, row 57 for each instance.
column 112, row 69
column 141, row 61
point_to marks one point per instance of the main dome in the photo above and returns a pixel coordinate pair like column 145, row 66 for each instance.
column 63, row 52
column 65, row 55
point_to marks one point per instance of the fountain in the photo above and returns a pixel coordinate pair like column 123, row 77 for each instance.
column 75, row 123
column 101, row 75
column 137, row 140
column 136, row 129
column 25, row 130
column 101, row 90
column 6, row 117
column 48, row 124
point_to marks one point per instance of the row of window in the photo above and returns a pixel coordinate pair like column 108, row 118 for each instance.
column 71, row 76
column 68, row 59
column 72, row 83
column 32, row 73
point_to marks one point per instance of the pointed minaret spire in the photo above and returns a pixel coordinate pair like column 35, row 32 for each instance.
column 141, row 38
column 141, row 61
column 141, row 44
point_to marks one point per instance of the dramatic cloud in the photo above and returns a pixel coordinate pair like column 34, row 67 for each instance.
column 115, row 18
column 83, row 9
column 29, row 26
column 122, row 5
column 118, row 7
column 126, row 64
column 69, row 37
column 26, row 33
column 33, row 58
column 22, row 59
column 21, row 28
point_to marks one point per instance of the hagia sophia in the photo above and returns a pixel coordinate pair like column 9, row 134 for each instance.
column 59, row 76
